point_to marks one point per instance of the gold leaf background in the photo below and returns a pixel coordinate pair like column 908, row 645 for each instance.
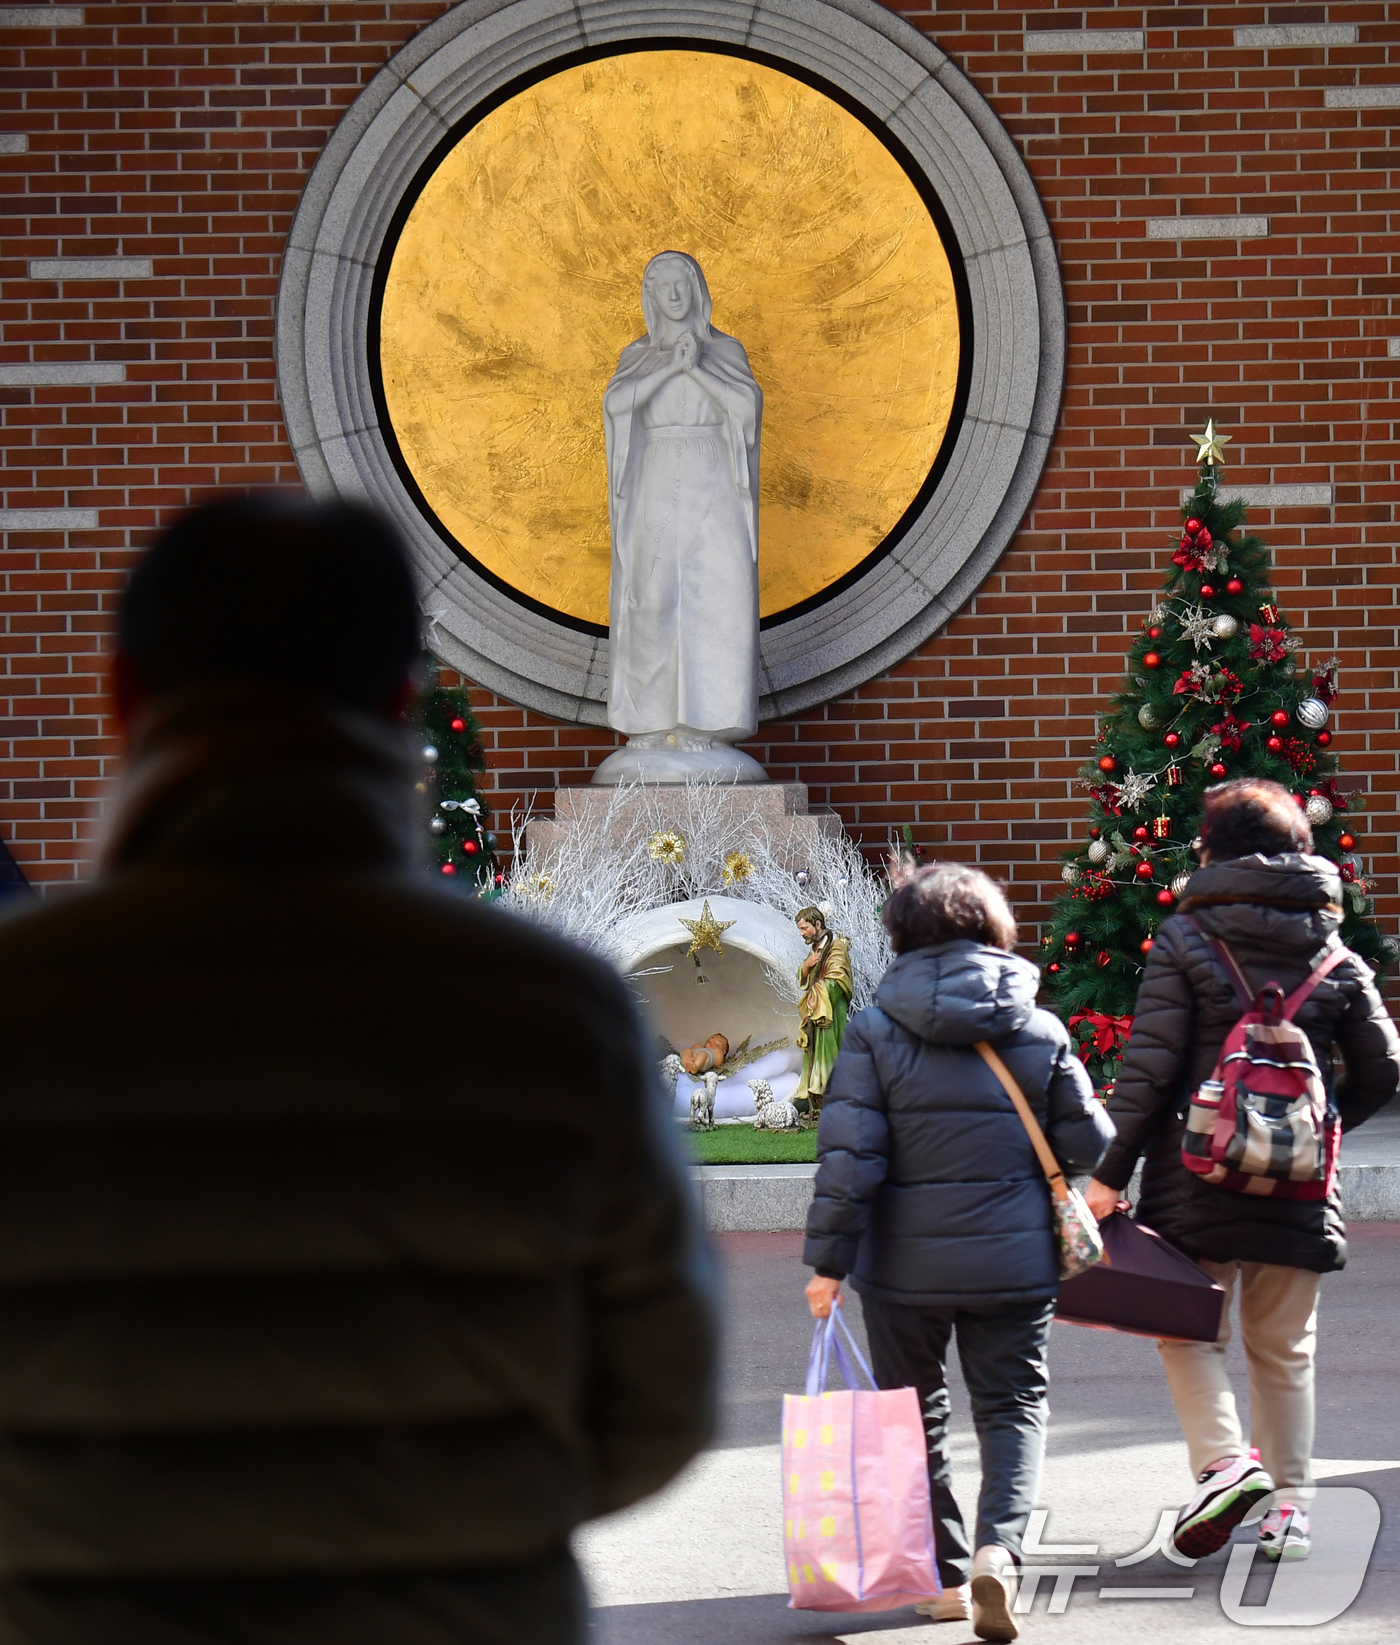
column 516, row 284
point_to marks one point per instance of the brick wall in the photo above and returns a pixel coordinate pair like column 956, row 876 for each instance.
column 182, row 133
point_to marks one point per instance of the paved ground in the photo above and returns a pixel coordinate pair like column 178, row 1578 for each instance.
column 702, row 1563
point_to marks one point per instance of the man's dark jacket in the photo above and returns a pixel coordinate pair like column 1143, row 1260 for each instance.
column 1278, row 916
column 928, row 1189
column 342, row 1223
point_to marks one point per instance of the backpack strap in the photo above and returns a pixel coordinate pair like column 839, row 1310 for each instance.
column 1304, row 988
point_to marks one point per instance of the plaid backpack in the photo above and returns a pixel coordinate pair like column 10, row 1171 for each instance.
column 1260, row 1124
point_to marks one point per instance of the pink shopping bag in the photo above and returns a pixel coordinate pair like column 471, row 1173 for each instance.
column 858, row 1532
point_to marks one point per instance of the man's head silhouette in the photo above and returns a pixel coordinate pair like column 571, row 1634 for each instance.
column 272, row 590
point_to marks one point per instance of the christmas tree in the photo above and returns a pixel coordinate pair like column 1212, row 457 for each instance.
column 1213, row 692
column 460, row 846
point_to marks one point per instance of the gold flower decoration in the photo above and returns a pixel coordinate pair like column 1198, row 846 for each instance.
column 737, row 868
column 667, row 846
column 540, row 885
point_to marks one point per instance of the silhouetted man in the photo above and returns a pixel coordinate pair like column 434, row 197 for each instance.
column 346, row 1262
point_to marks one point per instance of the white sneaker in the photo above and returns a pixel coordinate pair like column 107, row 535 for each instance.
column 952, row 1605
column 1284, row 1533
column 1227, row 1490
column 993, row 1593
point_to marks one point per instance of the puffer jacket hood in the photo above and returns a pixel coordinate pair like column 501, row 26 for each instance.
column 1294, row 902
column 959, row 993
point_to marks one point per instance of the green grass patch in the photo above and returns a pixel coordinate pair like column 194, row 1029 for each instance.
column 742, row 1145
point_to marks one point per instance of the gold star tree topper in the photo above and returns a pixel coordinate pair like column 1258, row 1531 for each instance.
column 705, row 932
column 1210, row 446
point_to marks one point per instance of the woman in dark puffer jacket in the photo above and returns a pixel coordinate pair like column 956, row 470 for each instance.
column 1277, row 909
column 930, row 1197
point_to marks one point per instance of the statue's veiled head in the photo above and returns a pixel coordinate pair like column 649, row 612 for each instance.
column 675, row 298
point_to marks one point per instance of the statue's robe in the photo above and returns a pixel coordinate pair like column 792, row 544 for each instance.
column 683, row 507
column 825, row 981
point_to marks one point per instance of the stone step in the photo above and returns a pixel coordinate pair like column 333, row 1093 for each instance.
column 774, row 1198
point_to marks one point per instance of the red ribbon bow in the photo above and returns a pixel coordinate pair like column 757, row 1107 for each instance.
column 1109, row 1032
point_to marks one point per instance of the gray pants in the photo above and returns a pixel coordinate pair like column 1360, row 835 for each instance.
column 538, row 1604
column 1002, row 1351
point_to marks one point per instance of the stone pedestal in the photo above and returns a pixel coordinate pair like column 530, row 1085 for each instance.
column 782, row 807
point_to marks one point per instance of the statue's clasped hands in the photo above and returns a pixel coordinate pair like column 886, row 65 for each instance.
column 687, row 350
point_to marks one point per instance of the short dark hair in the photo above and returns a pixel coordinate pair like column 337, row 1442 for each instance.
column 1252, row 816
column 315, row 597
column 944, row 902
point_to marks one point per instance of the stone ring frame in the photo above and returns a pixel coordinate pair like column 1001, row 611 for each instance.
column 905, row 84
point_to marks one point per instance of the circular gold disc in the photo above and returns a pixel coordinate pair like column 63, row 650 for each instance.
column 516, row 283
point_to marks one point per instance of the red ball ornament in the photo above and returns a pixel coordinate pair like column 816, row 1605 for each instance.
column 449, row 868
column 1299, row 801
column 1071, row 939
column 1193, row 526
column 1324, row 738
column 1141, row 832
column 470, row 847
column 1274, row 745
column 1107, row 764
column 1218, row 771
column 459, row 725
column 1053, row 966
column 1103, row 958
column 1093, row 833
column 1143, row 870
column 1207, row 592
column 1279, row 717
column 1314, row 792
column 1165, row 897
column 1146, row 945
column 1154, row 634
column 1234, row 586
column 1346, row 841
column 1172, row 740
column 1151, row 659
column 500, row 879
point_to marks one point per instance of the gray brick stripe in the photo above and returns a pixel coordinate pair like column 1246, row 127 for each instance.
column 1207, row 228
column 48, row 519
column 1039, row 41
column 40, row 17
column 1297, row 34
column 1275, row 496
column 89, row 268
column 1362, row 97
column 63, row 374
column 14, row 142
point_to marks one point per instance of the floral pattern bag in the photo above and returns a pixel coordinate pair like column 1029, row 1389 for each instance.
column 1077, row 1238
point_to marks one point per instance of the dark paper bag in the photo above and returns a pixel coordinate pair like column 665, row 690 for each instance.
column 1142, row 1286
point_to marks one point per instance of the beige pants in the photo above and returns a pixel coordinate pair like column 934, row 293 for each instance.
column 1278, row 1325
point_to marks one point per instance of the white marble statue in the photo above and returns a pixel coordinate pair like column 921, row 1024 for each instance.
column 683, row 417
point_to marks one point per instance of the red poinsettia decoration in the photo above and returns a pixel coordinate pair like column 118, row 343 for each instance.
column 1325, row 683
column 1195, row 544
column 1230, row 730
column 1330, row 791
column 1267, row 645
column 1218, row 686
column 1107, row 796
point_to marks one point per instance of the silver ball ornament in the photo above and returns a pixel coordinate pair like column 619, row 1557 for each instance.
column 1179, row 885
column 1098, row 851
column 1224, row 627
column 802, row 877
column 1312, row 713
column 1148, row 717
column 437, row 826
column 1318, row 810
column 430, row 755
column 1069, row 874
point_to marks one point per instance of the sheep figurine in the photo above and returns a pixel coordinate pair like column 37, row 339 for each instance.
column 773, row 1115
column 670, row 1073
column 702, row 1103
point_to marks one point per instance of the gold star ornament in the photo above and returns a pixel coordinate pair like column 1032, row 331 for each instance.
column 1210, row 446
column 705, row 932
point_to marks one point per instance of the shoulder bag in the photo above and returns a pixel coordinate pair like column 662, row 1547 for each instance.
column 1077, row 1239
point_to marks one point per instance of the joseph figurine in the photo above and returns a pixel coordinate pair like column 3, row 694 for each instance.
column 824, row 978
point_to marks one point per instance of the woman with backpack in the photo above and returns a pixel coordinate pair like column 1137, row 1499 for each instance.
column 930, row 1196
column 1260, row 910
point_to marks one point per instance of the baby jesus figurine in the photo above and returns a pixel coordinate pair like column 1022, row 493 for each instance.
column 824, row 978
